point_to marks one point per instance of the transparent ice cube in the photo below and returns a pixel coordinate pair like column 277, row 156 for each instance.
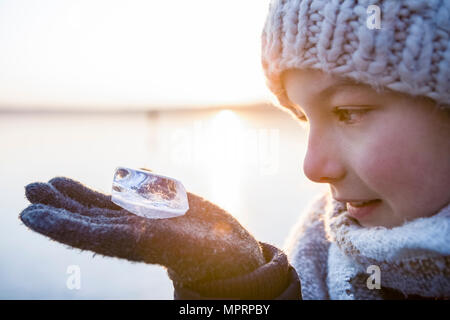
column 148, row 194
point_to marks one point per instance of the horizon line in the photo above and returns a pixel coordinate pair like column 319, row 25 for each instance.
column 124, row 110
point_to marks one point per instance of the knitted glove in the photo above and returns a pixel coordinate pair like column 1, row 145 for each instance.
column 206, row 244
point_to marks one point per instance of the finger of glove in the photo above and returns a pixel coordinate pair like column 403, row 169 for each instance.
column 46, row 193
column 82, row 194
column 132, row 238
column 195, row 248
column 177, row 242
column 115, row 237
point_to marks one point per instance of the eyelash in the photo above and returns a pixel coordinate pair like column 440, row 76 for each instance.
column 338, row 112
column 302, row 118
column 299, row 115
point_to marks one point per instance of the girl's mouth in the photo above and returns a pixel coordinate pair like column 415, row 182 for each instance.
column 362, row 209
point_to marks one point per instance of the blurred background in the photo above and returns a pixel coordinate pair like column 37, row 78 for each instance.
column 174, row 86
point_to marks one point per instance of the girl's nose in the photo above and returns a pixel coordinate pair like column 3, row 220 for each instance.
column 322, row 161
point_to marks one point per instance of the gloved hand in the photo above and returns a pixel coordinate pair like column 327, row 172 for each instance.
column 205, row 244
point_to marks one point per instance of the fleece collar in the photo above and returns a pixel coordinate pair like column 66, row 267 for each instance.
column 413, row 258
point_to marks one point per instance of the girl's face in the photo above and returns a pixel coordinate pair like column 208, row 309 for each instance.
column 387, row 147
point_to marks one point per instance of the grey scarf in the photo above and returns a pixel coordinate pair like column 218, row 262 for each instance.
column 336, row 258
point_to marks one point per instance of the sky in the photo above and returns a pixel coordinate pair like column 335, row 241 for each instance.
column 116, row 54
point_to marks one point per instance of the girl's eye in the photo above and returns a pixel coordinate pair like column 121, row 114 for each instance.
column 349, row 115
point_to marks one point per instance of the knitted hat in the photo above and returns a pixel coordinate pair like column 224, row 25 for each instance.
column 410, row 53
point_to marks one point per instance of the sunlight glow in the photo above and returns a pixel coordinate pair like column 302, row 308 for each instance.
column 225, row 166
column 137, row 54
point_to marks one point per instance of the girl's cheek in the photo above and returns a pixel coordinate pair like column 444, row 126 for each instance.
column 390, row 166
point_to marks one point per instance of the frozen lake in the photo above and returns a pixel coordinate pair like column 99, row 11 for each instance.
column 247, row 161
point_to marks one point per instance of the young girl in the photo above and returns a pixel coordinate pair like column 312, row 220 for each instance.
column 376, row 105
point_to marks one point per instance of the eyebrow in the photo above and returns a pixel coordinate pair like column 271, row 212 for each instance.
column 341, row 83
column 331, row 90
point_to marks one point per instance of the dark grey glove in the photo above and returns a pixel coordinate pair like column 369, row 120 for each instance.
column 205, row 244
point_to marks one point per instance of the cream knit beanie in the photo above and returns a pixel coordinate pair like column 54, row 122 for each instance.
column 410, row 53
